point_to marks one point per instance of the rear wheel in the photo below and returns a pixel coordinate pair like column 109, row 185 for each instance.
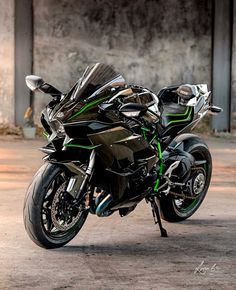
column 51, row 217
column 175, row 208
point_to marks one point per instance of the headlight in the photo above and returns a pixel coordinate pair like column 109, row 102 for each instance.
column 61, row 129
column 57, row 126
column 60, row 115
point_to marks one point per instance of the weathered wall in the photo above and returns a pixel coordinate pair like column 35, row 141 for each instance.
column 233, row 92
column 152, row 42
column 7, row 61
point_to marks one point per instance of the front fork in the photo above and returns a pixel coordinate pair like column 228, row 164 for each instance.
column 88, row 174
column 78, row 182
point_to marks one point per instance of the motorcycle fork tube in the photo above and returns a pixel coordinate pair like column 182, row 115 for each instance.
column 88, row 172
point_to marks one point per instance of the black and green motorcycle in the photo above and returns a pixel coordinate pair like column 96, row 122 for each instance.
column 111, row 145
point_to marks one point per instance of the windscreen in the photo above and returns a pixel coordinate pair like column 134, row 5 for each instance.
column 95, row 79
column 88, row 91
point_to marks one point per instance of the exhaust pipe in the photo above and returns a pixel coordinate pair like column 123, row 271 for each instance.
column 103, row 205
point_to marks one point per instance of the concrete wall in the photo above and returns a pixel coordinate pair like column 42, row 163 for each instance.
column 7, row 61
column 233, row 92
column 153, row 43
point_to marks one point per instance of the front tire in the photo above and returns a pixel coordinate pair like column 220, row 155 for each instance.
column 44, row 194
column 174, row 209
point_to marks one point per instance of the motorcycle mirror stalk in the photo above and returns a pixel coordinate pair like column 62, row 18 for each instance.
column 214, row 110
column 35, row 83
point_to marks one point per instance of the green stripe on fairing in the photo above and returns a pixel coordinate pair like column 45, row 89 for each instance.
column 161, row 165
column 182, row 114
column 45, row 134
column 183, row 120
column 81, row 146
column 84, row 108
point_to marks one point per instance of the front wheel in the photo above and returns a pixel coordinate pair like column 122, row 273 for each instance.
column 174, row 208
column 51, row 218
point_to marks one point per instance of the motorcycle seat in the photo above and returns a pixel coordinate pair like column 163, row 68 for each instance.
column 173, row 108
column 187, row 92
column 174, row 114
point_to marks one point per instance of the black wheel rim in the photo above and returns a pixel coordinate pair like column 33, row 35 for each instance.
column 186, row 206
column 52, row 231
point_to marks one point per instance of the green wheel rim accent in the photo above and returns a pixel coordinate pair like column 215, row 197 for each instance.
column 190, row 206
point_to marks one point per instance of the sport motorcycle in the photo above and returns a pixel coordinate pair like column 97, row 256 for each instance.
column 112, row 145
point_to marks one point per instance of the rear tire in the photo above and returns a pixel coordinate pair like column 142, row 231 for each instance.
column 169, row 209
column 39, row 193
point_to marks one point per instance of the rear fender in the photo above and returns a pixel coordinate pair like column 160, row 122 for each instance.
column 185, row 142
column 181, row 146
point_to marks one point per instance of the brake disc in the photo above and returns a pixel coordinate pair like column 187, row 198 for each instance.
column 62, row 211
column 199, row 183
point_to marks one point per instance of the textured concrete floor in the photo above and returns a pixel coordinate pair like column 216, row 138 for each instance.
column 121, row 253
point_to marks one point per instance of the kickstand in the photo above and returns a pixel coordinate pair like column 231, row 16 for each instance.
column 157, row 217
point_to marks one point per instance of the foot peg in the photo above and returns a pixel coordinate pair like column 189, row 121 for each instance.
column 157, row 217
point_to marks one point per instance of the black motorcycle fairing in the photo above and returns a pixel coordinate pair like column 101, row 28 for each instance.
column 119, row 143
column 83, row 128
column 55, row 145
column 124, row 158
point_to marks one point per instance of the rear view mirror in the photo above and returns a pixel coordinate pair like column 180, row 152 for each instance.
column 133, row 110
column 35, row 83
column 214, row 110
